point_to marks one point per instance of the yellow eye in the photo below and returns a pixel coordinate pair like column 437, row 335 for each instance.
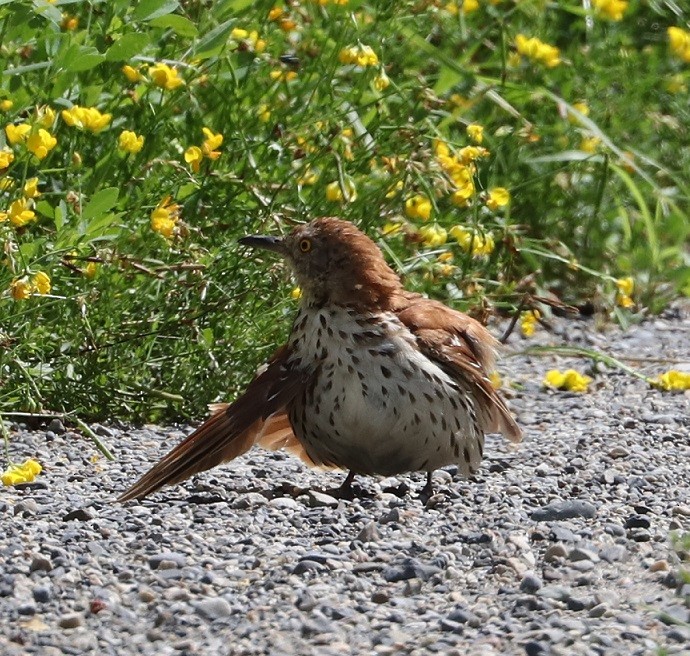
column 305, row 245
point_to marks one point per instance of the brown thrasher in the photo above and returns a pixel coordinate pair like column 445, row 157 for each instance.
column 373, row 378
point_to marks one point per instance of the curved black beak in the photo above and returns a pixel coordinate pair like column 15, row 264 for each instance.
column 267, row 242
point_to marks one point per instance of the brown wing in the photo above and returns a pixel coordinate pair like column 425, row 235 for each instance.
column 465, row 350
column 258, row 415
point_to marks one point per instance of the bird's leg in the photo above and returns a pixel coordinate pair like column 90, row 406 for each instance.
column 345, row 491
column 427, row 491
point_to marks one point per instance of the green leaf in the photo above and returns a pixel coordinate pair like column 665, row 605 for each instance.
column 147, row 10
column 103, row 201
column 44, row 208
column 214, row 40
column 178, row 24
column 127, row 46
column 100, row 224
column 80, row 58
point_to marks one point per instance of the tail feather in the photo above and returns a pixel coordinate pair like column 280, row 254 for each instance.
column 258, row 414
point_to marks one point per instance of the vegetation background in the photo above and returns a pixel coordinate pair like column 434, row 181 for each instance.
column 504, row 153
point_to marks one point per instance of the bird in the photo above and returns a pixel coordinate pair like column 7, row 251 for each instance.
column 373, row 379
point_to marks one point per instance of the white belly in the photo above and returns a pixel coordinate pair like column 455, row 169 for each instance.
column 377, row 404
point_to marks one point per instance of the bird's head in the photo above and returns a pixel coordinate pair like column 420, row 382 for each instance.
column 334, row 262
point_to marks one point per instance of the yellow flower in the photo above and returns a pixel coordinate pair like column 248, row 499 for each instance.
column 498, row 197
column 359, row 55
column 475, row 133
column 280, row 75
column 433, row 235
column 164, row 218
column 6, row 158
column 19, row 213
column 132, row 74
column 86, row 118
column 581, row 107
column 569, row 380
column 537, row 51
column 529, row 321
column 210, row 144
column 390, row 229
column 589, row 144
column 130, row 142
column 41, row 282
column 478, row 245
column 264, row 113
column 335, row 194
column 296, row 293
column 495, row 379
column 90, row 270
column 418, row 207
column 626, row 285
column 6, row 105
column 381, row 81
column 165, row 76
column 24, row 473
column 40, row 143
column 17, row 133
column 20, row 289
column 69, row 23
column 679, row 40
column 194, row 156
column 612, row 10
column 45, row 117
column 673, row 380
column 31, row 188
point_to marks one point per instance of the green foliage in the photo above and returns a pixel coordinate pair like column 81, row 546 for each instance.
column 153, row 310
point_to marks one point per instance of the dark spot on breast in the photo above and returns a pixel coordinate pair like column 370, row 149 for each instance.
column 407, row 373
column 439, row 394
column 453, row 402
column 385, row 371
column 428, row 397
column 417, row 420
column 342, row 334
column 444, row 424
column 350, row 369
column 328, row 386
column 432, row 416
column 384, row 390
column 456, row 450
column 322, row 319
column 355, row 360
column 481, row 447
column 413, row 398
column 466, row 454
column 330, row 331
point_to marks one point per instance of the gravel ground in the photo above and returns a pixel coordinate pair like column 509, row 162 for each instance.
column 559, row 546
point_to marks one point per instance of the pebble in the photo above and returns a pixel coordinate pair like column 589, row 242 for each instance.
column 78, row 514
column 369, row 533
column 167, row 560
column 409, row 568
column 214, row 608
column 42, row 594
column 558, row 510
column 71, row 621
column 530, row 583
column 40, row 564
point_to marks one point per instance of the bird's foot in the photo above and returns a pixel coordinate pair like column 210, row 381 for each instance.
column 427, row 491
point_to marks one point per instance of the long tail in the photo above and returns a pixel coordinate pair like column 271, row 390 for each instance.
column 257, row 416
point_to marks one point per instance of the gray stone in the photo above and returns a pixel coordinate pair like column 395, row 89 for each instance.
column 213, row 608
column 40, row 564
column 172, row 559
column 558, row 510
column 409, row 568
column 530, row 583
column 369, row 533
column 71, row 621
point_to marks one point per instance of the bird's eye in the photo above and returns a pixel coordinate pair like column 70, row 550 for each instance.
column 305, row 245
